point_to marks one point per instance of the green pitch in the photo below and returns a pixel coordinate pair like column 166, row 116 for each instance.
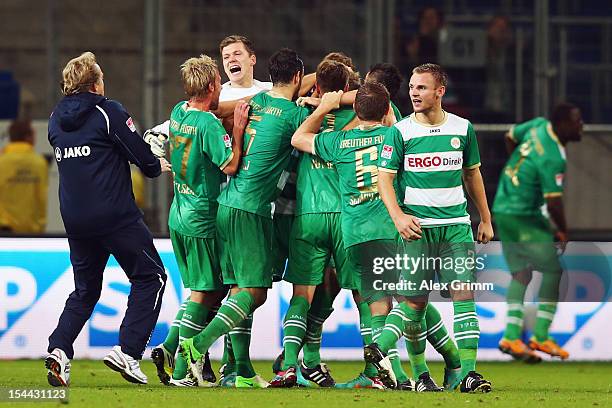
column 515, row 385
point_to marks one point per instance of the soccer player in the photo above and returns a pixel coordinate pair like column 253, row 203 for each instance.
column 201, row 153
column 244, row 218
column 434, row 329
column 388, row 75
column 94, row 139
column 431, row 152
column 366, row 227
column 315, row 237
column 238, row 57
column 533, row 177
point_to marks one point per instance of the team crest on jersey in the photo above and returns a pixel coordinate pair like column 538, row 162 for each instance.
column 227, row 140
column 130, row 124
column 387, row 151
column 58, row 154
column 455, row 142
column 559, row 179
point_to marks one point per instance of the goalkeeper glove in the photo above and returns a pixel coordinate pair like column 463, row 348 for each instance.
column 156, row 141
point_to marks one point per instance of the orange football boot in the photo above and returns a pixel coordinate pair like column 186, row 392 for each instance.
column 519, row 351
column 549, row 347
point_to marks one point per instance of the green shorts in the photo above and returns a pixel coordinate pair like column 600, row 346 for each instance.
column 445, row 253
column 246, row 248
column 366, row 260
column 527, row 243
column 198, row 261
column 316, row 240
column 280, row 245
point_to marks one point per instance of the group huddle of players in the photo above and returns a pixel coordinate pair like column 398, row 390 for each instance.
column 321, row 174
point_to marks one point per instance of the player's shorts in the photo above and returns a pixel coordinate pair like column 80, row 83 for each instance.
column 280, row 245
column 444, row 254
column 246, row 248
column 373, row 282
column 527, row 243
column 316, row 241
column 198, row 261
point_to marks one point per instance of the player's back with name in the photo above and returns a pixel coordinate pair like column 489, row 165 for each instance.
column 266, row 152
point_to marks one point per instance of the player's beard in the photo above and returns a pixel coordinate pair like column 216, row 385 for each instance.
column 296, row 93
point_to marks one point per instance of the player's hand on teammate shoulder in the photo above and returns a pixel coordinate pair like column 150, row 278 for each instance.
column 241, row 114
column 330, row 101
column 485, row 232
column 408, row 226
column 156, row 142
column 308, row 100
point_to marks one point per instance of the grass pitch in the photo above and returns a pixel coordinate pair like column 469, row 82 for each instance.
column 514, row 385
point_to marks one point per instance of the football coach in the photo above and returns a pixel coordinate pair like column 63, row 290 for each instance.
column 94, row 139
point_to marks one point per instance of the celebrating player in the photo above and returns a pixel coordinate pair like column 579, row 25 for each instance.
column 201, row 152
column 244, row 219
column 533, row 177
column 315, row 236
column 430, row 152
column 433, row 327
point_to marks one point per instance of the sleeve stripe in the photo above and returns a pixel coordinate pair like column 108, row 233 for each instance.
column 387, row 170
column 106, row 118
column 551, row 195
column 473, row 166
column 225, row 163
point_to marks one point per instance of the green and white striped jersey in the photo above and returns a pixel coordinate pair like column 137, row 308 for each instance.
column 429, row 161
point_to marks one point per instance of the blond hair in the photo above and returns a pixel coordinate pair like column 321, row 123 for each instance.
column 197, row 74
column 80, row 74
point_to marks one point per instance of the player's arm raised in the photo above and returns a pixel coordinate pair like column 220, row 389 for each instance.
column 475, row 188
column 241, row 119
column 303, row 137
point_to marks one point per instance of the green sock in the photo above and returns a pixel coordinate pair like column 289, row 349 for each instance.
column 228, row 355
column 415, row 344
column 401, row 319
column 467, row 333
column 294, row 328
column 544, row 318
column 438, row 337
column 172, row 339
column 378, row 324
column 192, row 323
column 230, row 314
column 548, row 295
column 320, row 309
column 514, row 317
column 241, row 342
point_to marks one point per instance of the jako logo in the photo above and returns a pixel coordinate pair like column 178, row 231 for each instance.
column 76, row 151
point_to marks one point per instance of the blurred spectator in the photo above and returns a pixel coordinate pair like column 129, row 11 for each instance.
column 23, row 183
column 500, row 70
column 138, row 187
column 423, row 47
